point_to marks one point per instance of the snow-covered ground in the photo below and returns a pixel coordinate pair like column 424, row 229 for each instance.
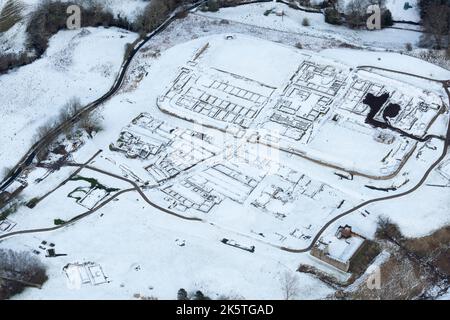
column 81, row 63
column 139, row 251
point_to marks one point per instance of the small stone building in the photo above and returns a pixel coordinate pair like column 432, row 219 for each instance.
column 339, row 249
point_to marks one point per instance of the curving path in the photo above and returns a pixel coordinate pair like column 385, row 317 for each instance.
column 28, row 158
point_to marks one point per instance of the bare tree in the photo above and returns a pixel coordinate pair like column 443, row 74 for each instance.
column 400, row 279
column 42, row 137
column 289, row 285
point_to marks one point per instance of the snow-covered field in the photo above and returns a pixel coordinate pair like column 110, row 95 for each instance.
column 253, row 14
column 404, row 10
column 14, row 40
column 82, row 63
column 401, row 10
column 139, row 250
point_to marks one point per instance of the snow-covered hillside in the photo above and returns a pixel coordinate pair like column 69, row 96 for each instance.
column 402, row 10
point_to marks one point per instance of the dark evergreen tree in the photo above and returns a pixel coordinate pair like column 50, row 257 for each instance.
column 332, row 16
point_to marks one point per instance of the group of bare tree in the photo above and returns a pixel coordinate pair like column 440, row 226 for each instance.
column 90, row 122
column 51, row 16
column 19, row 270
column 354, row 14
column 435, row 15
column 11, row 14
